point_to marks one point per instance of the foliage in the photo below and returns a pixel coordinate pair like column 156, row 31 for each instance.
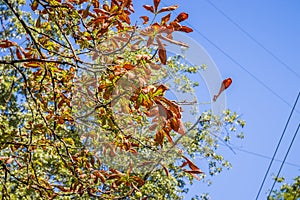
column 83, row 114
column 287, row 191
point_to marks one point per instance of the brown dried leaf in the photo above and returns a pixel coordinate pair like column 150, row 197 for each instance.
column 181, row 17
column 165, row 19
column 162, row 56
column 156, row 3
column 170, row 8
column 149, row 8
column 185, row 29
column 145, row 18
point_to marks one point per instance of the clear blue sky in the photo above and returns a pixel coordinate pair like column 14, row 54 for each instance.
column 276, row 25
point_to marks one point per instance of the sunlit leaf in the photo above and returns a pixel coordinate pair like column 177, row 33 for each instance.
column 185, row 29
column 162, row 56
column 181, row 17
column 149, row 8
column 145, row 18
column 156, row 3
column 170, row 8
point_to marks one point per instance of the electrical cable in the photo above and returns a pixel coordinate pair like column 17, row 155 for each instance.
column 254, row 40
column 277, row 147
column 295, row 134
column 240, row 65
column 262, row 156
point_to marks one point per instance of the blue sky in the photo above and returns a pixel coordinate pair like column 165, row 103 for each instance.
column 275, row 24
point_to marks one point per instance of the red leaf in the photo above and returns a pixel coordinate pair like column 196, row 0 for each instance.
column 96, row 3
column 19, row 55
column 170, row 8
column 181, row 17
column 145, row 18
column 191, row 164
column 124, row 17
column 159, row 137
column 186, row 29
column 149, row 8
column 176, row 26
column 156, row 3
column 165, row 19
column 101, row 11
column 175, row 124
column 162, row 56
column 128, row 66
column 227, row 82
column 7, row 43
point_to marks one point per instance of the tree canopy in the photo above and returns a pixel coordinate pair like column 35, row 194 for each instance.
column 84, row 113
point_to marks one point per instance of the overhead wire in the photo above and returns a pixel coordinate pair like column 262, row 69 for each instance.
column 262, row 156
column 254, row 40
column 239, row 64
column 277, row 147
column 281, row 166
column 261, row 83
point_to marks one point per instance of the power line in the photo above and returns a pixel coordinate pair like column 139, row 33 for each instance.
column 244, row 69
column 238, row 64
column 261, row 186
column 263, row 156
column 241, row 66
column 254, row 40
column 284, row 159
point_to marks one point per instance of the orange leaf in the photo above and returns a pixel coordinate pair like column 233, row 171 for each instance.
column 227, row 82
column 175, row 124
column 124, row 17
column 191, row 164
column 186, row 29
column 156, row 3
column 159, row 137
column 149, row 8
column 19, row 55
column 181, row 17
column 165, row 19
column 32, row 65
column 162, row 56
column 96, row 3
column 129, row 66
column 145, row 18
column 170, row 8
column 184, row 164
column 7, row 43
